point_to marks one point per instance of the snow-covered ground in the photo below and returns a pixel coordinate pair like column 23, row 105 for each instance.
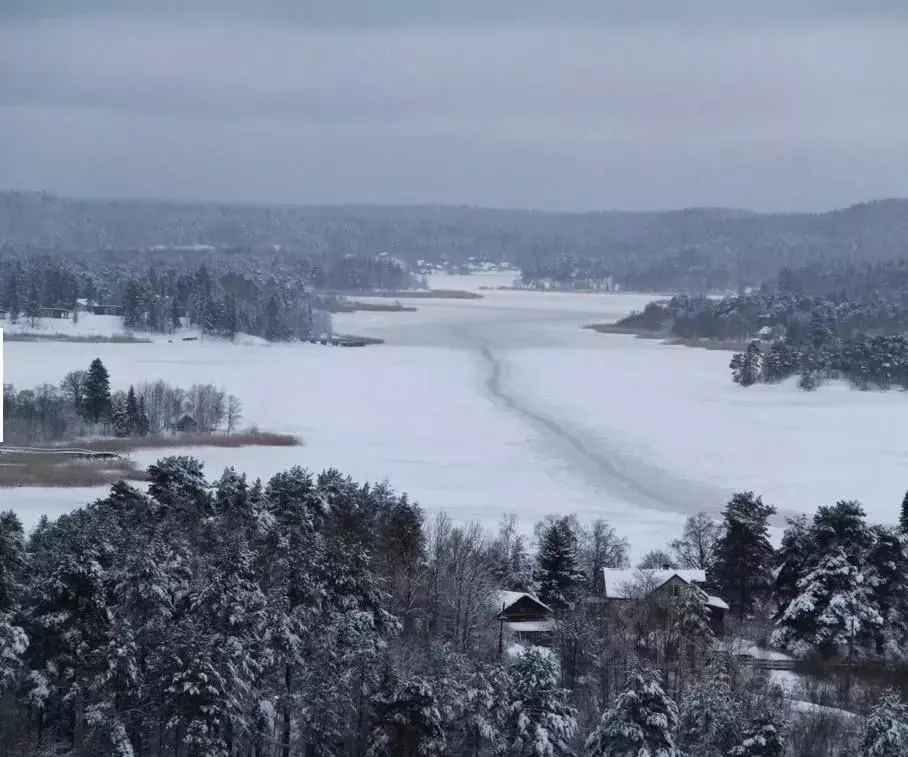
column 484, row 407
column 84, row 325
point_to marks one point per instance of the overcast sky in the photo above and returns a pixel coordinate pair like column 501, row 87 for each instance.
column 560, row 104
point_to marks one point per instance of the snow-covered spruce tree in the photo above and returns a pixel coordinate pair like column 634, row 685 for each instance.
column 406, row 721
column 197, row 693
column 540, row 722
column 793, row 557
column 742, row 572
column 119, row 419
column 558, row 574
column 473, row 699
column 781, row 361
column 143, row 427
column 832, row 615
column 178, row 482
column 485, row 711
column 709, row 717
column 842, row 524
column 886, row 732
column 70, row 624
column 133, row 416
column 642, row 723
column 747, row 366
column 886, row 572
column 230, row 615
column 96, row 392
column 13, row 641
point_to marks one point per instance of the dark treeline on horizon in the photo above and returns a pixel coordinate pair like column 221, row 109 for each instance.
column 694, row 250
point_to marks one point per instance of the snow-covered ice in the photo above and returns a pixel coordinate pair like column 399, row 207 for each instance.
column 485, row 407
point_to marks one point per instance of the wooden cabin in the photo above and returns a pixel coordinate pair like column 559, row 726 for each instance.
column 523, row 617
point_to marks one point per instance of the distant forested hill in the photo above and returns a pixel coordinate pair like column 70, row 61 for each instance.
column 691, row 250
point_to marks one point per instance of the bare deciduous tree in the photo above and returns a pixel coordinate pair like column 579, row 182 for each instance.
column 73, row 386
column 234, row 413
column 696, row 547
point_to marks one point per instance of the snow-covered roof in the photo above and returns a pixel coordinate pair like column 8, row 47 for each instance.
column 617, row 582
column 502, row 599
column 531, row 626
column 712, row 601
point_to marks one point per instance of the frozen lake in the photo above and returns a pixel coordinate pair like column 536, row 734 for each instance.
column 486, row 407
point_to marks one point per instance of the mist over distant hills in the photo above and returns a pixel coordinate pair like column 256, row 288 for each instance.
column 697, row 248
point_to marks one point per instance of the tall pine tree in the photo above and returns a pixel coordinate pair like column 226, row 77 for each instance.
column 742, row 572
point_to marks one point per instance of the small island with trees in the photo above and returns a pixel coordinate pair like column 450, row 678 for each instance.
column 80, row 433
column 818, row 323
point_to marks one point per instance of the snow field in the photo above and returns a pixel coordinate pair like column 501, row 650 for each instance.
column 415, row 416
column 677, row 408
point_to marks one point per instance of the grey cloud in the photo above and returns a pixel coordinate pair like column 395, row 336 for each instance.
column 445, row 12
column 567, row 80
column 598, row 116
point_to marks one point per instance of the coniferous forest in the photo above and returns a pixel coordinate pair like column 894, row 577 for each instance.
column 266, row 293
column 816, row 323
column 693, row 250
column 313, row 615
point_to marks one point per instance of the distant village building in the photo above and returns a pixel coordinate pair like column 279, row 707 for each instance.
column 55, row 313
column 523, row 617
column 105, row 309
column 620, row 589
column 186, row 425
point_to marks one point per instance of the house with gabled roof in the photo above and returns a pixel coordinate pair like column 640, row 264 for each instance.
column 658, row 585
column 523, row 616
